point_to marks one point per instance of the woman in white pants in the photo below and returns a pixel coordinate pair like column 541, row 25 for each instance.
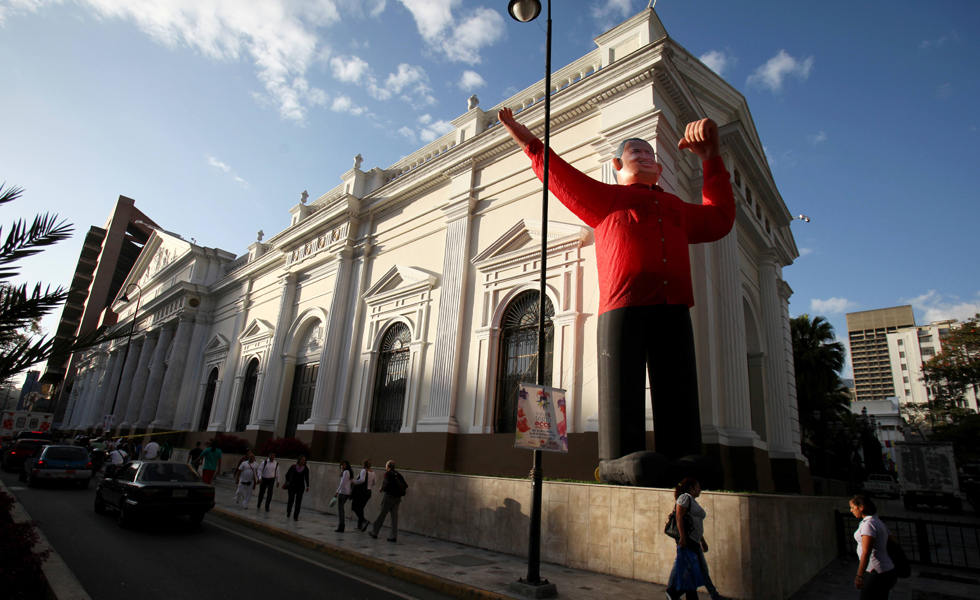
column 245, row 477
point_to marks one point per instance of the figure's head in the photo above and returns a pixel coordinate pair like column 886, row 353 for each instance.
column 301, row 461
column 690, row 486
column 367, row 463
column 272, row 456
column 390, row 465
column 635, row 162
column 862, row 506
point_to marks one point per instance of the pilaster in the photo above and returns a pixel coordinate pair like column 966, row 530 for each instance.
column 271, row 392
column 135, row 347
column 221, row 419
column 154, row 385
column 780, row 428
column 140, row 377
column 174, row 376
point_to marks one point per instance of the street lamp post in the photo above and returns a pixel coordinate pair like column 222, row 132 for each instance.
column 533, row 585
column 129, row 340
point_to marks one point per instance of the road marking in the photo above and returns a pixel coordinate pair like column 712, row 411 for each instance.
column 319, row 564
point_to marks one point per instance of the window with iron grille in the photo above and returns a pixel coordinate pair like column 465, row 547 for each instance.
column 248, row 395
column 208, row 399
column 391, row 379
column 518, row 361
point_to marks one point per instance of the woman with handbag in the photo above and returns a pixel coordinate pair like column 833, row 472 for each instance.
column 343, row 492
column 690, row 526
column 876, row 574
column 361, row 493
column 297, row 483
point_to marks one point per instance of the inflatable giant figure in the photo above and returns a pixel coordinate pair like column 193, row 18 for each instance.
column 642, row 235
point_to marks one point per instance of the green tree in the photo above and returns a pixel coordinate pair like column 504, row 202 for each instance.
column 821, row 397
column 951, row 373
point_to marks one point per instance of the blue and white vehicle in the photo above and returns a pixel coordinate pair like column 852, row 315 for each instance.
column 58, row 463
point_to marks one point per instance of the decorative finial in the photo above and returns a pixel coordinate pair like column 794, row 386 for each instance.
column 303, row 197
column 357, row 161
column 473, row 102
column 261, row 234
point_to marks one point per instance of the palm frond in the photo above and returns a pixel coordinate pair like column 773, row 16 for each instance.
column 10, row 194
column 18, row 309
column 24, row 355
column 24, row 241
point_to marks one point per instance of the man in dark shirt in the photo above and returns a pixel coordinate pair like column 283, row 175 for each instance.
column 642, row 236
column 194, row 455
column 392, row 492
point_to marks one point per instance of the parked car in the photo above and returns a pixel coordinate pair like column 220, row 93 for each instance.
column 58, row 463
column 154, row 489
column 882, row 485
column 20, row 451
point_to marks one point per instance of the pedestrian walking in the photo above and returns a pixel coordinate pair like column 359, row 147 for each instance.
column 876, row 574
column 685, row 500
column 393, row 489
column 246, row 476
column 166, row 450
column 269, row 474
column 361, row 493
column 343, row 491
column 194, row 456
column 210, row 461
column 297, row 483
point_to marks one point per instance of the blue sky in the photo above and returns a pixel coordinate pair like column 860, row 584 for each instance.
column 216, row 114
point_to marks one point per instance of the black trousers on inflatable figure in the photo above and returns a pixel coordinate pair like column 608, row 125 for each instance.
column 657, row 340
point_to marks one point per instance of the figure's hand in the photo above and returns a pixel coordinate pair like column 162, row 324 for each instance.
column 682, row 542
column 521, row 134
column 859, row 582
column 704, row 545
column 701, row 138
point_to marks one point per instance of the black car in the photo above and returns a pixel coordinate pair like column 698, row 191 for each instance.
column 154, row 489
column 19, row 451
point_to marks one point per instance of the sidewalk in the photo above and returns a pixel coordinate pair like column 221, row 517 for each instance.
column 468, row 572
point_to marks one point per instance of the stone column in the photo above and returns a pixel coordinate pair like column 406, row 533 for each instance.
column 270, row 394
column 780, row 436
column 441, row 416
column 187, row 403
column 79, row 409
column 174, row 377
column 154, row 385
column 328, row 409
column 221, row 420
column 141, row 375
column 115, row 371
column 732, row 350
column 76, row 391
column 94, row 416
column 785, row 292
column 126, row 384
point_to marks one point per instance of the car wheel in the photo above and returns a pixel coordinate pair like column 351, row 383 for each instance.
column 123, row 517
column 99, row 503
column 197, row 518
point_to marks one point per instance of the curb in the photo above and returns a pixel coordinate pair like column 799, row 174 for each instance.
column 421, row 578
column 62, row 583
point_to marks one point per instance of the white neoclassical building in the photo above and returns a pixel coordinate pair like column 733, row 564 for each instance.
column 390, row 318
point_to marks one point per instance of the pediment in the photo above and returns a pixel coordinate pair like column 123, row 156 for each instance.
column 257, row 329
column 524, row 239
column 400, row 279
column 218, row 343
column 161, row 250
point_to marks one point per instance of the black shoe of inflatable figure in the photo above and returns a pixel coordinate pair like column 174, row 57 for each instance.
column 642, row 469
column 706, row 469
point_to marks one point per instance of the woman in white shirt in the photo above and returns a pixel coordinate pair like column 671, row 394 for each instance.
column 343, row 491
column 361, row 493
column 685, row 495
column 876, row 574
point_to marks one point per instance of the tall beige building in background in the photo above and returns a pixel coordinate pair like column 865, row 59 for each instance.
column 867, row 333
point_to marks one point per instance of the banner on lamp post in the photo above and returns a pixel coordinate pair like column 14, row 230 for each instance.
column 541, row 421
column 107, row 422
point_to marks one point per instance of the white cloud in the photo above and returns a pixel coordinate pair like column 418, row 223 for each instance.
column 406, row 76
column 805, row 251
column 944, row 91
column 425, row 119
column 407, row 132
column 772, row 74
column 816, row 139
column 608, row 13
column 718, row 61
column 217, row 164
column 938, row 42
column 937, row 308
column 345, row 104
column 832, row 305
column 460, row 40
column 349, row 69
column 435, row 130
column 470, row 80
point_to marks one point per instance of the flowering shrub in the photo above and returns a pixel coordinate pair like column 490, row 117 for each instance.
column 285, row 447
column 230, row 443
column 20, row 572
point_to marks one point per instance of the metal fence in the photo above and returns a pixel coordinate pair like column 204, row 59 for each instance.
column 952, row 544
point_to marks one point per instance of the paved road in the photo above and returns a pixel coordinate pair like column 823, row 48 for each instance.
column 170, row 559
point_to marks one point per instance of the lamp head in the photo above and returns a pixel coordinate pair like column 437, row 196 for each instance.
column 524, row 10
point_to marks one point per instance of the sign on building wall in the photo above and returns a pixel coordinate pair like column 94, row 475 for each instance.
column 541, row 418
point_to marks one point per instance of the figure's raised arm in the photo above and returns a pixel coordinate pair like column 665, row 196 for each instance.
column 521, row 134
column 701, row 138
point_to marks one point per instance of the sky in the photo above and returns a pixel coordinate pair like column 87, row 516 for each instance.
column 214, row 115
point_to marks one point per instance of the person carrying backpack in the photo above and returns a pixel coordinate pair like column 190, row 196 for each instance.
column 393, row 489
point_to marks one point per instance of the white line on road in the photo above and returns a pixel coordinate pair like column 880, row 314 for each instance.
column 319, row 564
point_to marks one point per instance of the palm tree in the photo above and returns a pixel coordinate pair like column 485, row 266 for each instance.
column 821, row 396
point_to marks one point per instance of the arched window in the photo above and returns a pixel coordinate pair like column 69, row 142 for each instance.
column 389, row 386
column 518, row 360
column 248, row 395
column 208, row 399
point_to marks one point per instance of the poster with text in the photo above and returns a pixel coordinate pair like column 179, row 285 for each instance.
column 541, row 418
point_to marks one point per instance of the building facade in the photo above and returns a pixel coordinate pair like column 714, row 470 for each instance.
column 390, row 318
column 909, row 348
column 867, row 334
